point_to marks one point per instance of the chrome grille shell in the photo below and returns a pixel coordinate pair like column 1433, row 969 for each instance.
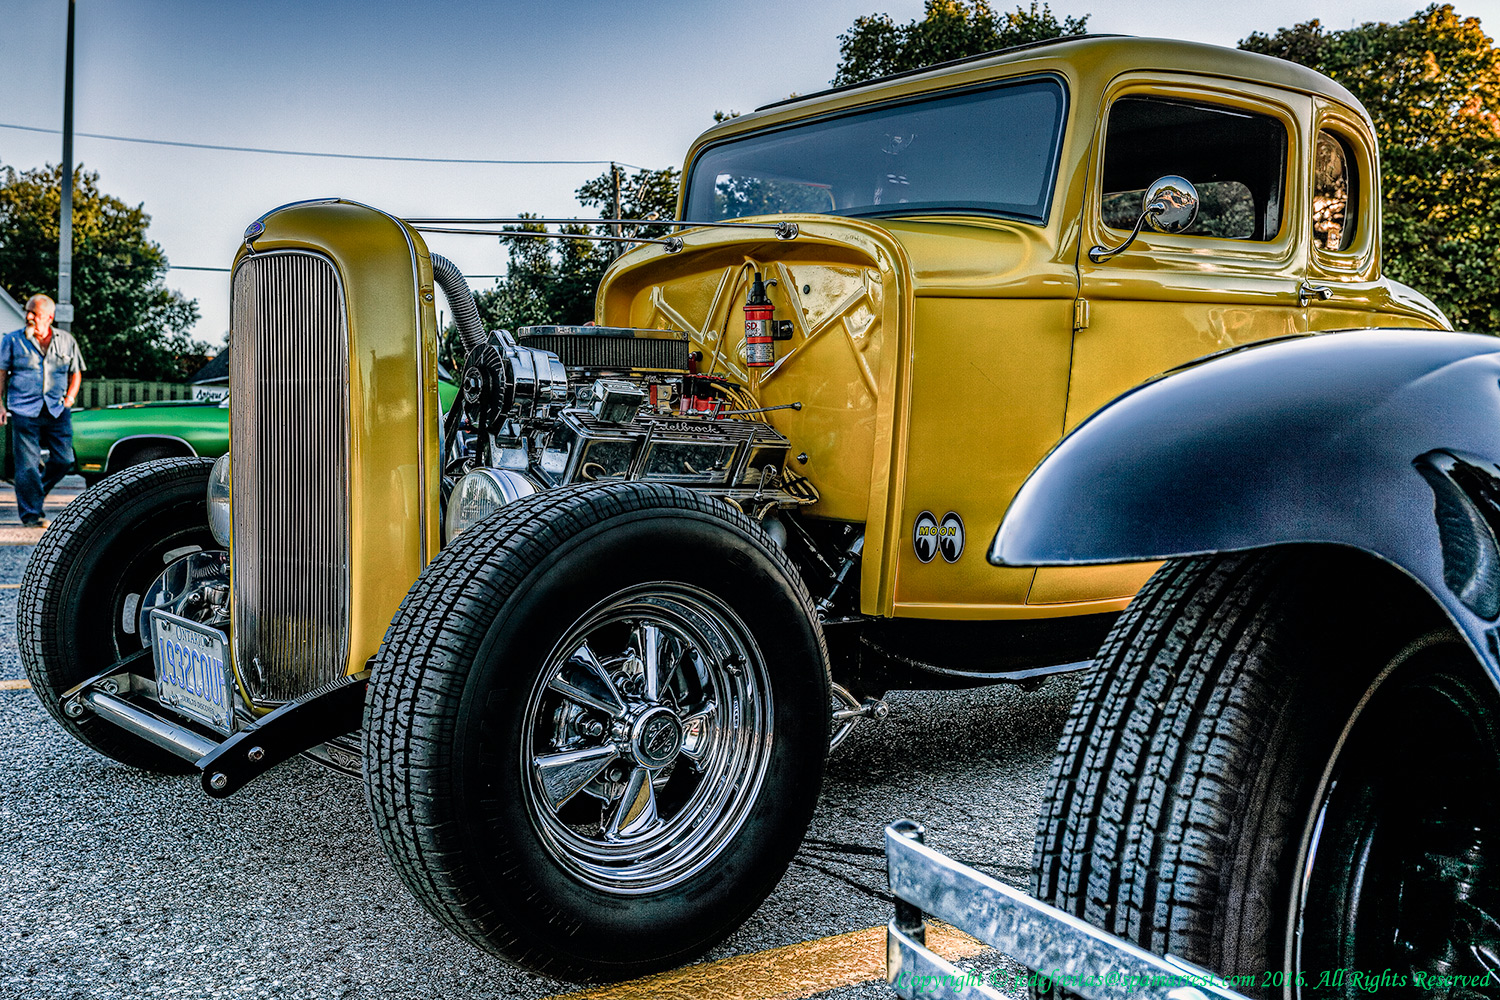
column 290, row 470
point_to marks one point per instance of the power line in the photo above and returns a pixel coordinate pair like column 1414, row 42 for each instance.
column 331, row 156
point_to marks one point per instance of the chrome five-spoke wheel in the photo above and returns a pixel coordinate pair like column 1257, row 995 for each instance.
column 650, row 730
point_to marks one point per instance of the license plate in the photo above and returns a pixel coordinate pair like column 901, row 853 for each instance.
column 192, row 670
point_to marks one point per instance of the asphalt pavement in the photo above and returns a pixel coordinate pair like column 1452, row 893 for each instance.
column 117, row 883
column 12, row 532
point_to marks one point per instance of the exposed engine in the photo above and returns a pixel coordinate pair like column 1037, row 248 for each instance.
column 554, row 405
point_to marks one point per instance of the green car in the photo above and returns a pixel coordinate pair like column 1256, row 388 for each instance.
column 126, row 434
column 117, row 437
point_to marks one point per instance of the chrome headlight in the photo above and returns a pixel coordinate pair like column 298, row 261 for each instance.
column 218, row 500
column 479, row 494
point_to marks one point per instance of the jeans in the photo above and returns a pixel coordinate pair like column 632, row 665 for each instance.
column 29, row 436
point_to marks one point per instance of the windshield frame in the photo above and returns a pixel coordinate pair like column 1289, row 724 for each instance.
column 1044, row 210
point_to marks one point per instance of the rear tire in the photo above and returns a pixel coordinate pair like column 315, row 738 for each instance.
column 77, row 610
column 1273, row 778
column 145, row 453
column 522, row 653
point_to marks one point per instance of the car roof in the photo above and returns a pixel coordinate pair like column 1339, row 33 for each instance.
column 1096, row 57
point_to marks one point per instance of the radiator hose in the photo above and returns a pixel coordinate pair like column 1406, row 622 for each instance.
column 465, row 313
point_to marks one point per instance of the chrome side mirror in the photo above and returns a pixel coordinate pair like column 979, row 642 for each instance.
column 1170, row 205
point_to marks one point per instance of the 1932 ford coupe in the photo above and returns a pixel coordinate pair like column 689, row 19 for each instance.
column 584, row 627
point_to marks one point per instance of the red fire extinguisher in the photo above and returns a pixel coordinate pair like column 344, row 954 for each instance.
column 759, row 352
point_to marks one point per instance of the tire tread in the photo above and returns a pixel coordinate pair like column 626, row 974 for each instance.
column 420, row 669
column 1144, row 807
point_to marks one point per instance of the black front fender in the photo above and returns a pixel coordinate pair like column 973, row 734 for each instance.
column 1387, row 441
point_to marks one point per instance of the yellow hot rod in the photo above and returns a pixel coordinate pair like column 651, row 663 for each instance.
column 587, row 635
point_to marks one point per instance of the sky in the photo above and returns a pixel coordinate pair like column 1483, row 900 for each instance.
column 633, row 82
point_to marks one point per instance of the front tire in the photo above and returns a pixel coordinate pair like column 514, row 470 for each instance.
column 103, row 558
column 1277, row 778
column 596, row 729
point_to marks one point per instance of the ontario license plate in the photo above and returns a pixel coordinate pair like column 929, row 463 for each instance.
column 192, row 670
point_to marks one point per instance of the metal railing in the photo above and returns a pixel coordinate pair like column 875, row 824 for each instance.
column 1061, row 950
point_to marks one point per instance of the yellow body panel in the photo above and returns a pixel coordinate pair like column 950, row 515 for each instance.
column 1013, row 335
column 386, row 274
column 989, row 385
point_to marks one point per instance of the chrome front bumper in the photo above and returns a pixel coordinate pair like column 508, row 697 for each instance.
column 1059, row 948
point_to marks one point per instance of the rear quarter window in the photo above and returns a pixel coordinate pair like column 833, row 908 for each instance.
column 1335, row 200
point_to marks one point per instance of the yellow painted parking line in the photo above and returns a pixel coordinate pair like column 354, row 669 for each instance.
column 10, row 586
column 790, row 972
column 15, row 685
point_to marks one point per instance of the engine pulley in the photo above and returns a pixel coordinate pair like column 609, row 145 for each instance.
column 488, row 386
column 502, row 380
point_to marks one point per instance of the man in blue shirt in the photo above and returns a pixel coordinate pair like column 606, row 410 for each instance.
column 40, row 370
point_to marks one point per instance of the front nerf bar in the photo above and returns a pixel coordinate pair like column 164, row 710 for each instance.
column 225, row 765
column 1059, row 947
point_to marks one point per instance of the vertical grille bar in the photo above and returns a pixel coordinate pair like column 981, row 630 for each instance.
column 289, row 436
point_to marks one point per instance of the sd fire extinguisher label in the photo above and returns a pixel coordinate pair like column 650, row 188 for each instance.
column 929, row 536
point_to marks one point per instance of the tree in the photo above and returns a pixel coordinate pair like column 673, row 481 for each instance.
column 1432, row 87
column 554, row 280
column 130, row 325
column 876, row 46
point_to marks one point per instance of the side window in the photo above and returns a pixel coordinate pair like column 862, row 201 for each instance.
column 1335, row 201
column 1236, row 159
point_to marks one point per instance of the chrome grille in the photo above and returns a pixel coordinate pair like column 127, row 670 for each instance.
column 289, row 435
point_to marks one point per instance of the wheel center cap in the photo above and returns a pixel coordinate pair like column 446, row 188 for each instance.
column 656, row 737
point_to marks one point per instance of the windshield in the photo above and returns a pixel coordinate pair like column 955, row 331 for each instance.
column 991, row 151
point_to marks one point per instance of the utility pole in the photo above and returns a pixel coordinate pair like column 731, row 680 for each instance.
column 615, row 228
column 64, row 318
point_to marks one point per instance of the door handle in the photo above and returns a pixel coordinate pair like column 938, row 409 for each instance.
column 1307, row 291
